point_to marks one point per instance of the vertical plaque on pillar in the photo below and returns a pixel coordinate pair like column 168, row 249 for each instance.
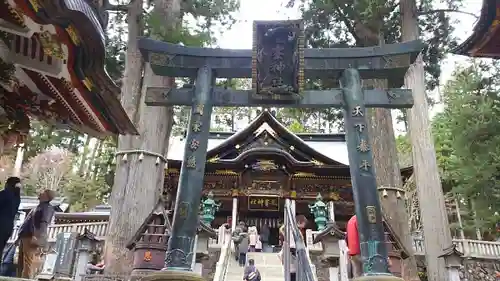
column 278, row 60
column 65, row 247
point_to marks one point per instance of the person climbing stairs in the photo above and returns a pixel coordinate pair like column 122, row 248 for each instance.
column 268, row 264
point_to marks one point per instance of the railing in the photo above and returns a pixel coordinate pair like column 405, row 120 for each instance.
column 470, row 248
column 98, row 228
column 304, row 267
column 223, row 262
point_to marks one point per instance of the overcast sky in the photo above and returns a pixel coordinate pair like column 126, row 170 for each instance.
column 240, row 36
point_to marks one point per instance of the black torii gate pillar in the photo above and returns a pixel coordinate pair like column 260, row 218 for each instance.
column 278, row 65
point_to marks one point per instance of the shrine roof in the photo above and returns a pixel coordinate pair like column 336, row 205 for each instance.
column 58, row 51
column 484, row 40
column 330, row 149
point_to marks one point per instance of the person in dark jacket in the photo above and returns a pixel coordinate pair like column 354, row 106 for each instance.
column 33, row 234
column 10, row 198
column 251, row 273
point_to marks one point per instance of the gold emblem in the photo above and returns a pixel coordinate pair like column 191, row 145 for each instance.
column 148, row 256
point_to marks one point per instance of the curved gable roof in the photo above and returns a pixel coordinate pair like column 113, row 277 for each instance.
column 266, row 123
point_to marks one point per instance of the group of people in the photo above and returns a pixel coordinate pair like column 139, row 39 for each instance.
column 248, row 240
column 32, row 234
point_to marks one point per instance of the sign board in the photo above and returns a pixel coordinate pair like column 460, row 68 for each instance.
column 66, row 243
column 263, row 203
column 278, row 60
column 49, row 263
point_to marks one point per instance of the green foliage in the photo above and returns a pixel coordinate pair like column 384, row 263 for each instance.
column 84, row 193
column 6, row 69
column 182, row 34
column 467, row 140
column 44, row 136
column 296, row 127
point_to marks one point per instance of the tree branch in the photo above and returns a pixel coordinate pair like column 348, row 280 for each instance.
column 446, row 11
column 348, row 24
column 117, row 8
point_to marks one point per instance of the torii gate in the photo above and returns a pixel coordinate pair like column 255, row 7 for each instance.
column 278, row 65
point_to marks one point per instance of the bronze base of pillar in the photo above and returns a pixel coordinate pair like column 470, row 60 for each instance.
column 378, row 278
column 173, row 275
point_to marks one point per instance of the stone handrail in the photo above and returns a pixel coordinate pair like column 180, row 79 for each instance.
column 470, row 248
column 223, row 262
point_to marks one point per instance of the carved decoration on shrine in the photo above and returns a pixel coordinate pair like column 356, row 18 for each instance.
column 51, row 46
column 265, row 185
column 278, row 60
column 264, row 165
column 210, row 185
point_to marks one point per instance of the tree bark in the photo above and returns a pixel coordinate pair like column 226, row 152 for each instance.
column 430, row 194
column 138, row 184
column 388, row 174
column 83, row 160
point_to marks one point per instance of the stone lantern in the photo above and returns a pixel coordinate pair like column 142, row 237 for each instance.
column 86, row 245
column 319, row 210
column 453, row 261
column 209, row 207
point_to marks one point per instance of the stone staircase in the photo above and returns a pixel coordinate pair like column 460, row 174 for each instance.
column 268, row 264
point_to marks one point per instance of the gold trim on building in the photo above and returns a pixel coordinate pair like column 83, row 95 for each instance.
column 88, row 83
column 225, row 172
column 35, row 5
column 73, row 35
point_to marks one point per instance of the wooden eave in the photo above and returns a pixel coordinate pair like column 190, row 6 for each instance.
column 159, row 209
column 451, row 251
column 80, row 28
column 331, row 229
column 484, row 40
column 397, row 240
column 205, row 228
column 80, row 217
column 87, row 234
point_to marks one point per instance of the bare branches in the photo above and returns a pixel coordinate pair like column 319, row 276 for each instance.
column 115, row 8
column 423, row 13
column 48, row 170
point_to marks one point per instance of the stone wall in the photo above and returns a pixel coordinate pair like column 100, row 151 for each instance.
column 323, row 266
column 479, row 270
column 209, row 263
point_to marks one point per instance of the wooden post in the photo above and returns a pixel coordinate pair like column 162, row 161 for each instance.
column 180, row 245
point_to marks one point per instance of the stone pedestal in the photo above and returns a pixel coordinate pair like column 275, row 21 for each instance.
column 173, row 275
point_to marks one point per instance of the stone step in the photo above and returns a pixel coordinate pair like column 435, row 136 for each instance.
column 264, row 258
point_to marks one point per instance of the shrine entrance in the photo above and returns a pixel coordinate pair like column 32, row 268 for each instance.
column 279, row 65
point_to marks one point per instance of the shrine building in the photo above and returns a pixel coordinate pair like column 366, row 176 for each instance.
column 485, row 38
column 56, row 53
column 253, row 171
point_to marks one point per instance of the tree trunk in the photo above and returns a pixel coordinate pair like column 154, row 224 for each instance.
column 92, row 168
column 388, row 174
column 430, row 194
column 138, row 183
column 83, row 160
